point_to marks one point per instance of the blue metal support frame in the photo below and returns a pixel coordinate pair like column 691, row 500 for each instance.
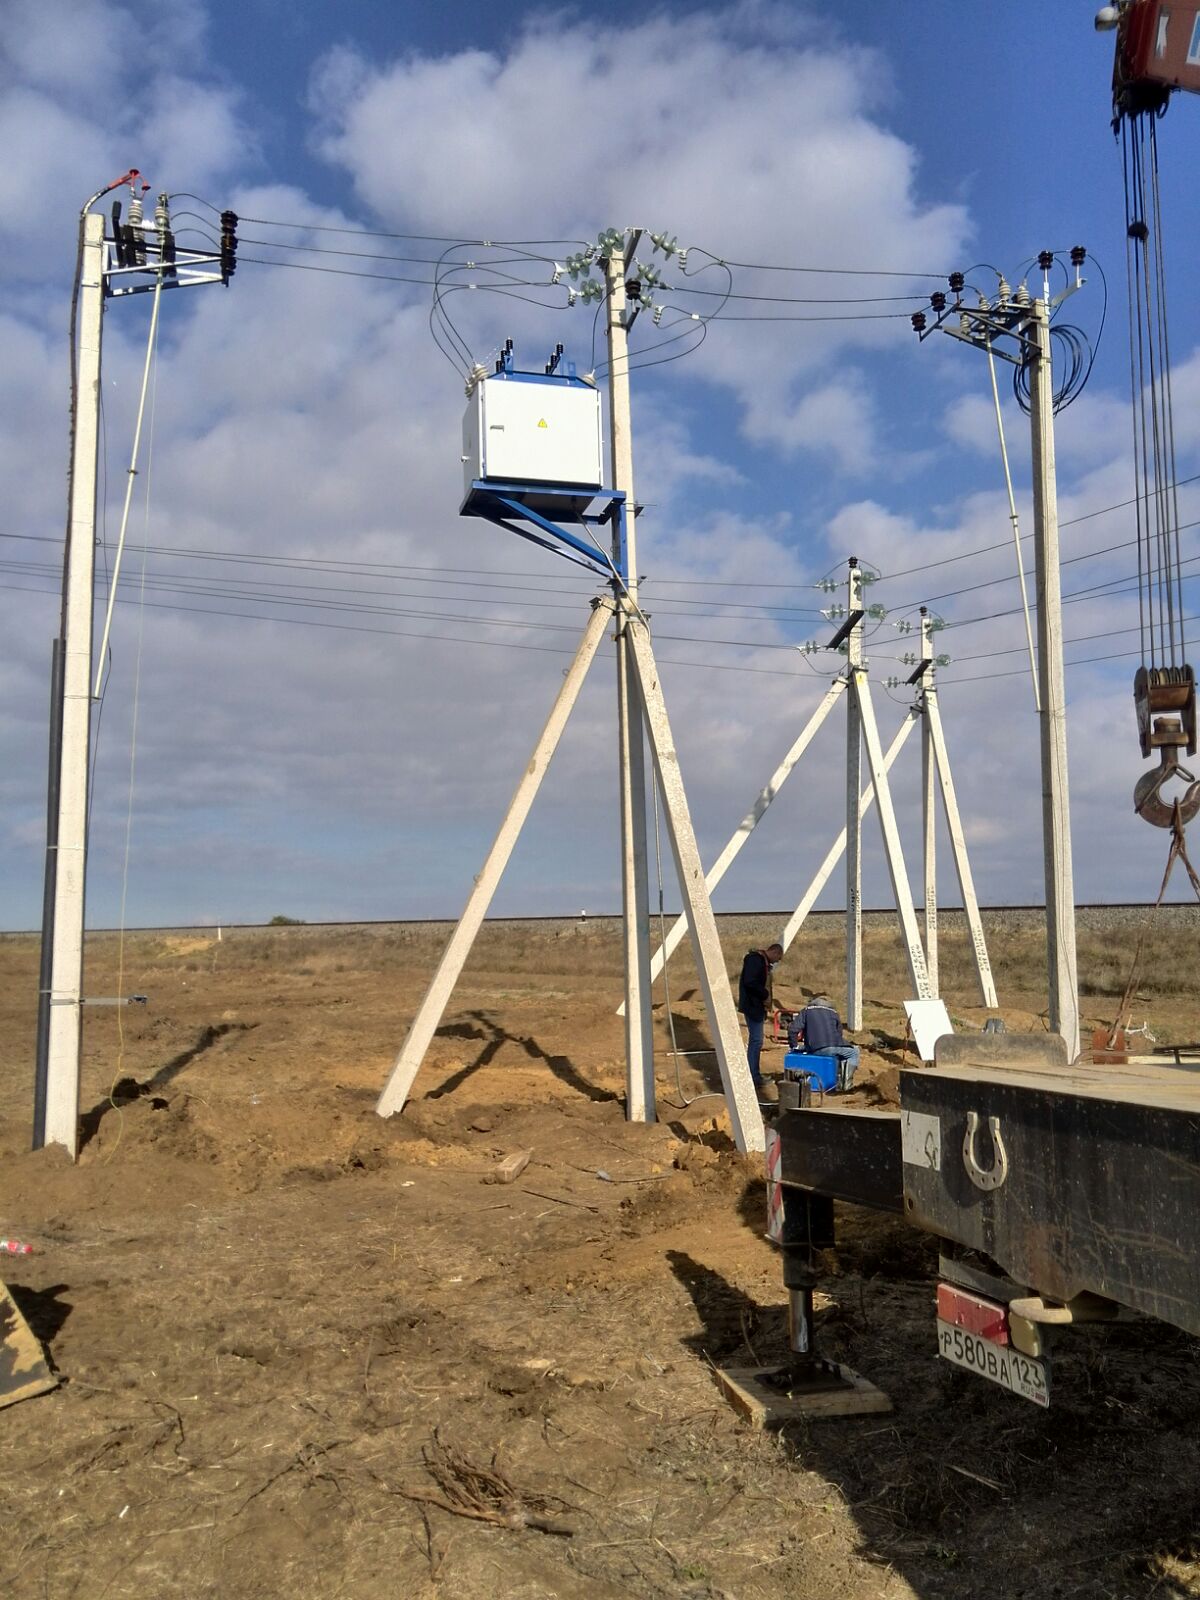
column 542, row 506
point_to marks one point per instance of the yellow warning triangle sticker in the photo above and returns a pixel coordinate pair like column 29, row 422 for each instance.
column 543, row 423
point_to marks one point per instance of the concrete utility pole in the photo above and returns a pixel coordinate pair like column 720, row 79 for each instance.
column 1056, row 818
column 143, row 260
column 1019, row 331
column 639, row 1036
column 854, row 656
column 66, row 965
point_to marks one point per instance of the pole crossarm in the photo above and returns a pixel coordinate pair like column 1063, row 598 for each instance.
column 429, row 1013
column 740, row 1097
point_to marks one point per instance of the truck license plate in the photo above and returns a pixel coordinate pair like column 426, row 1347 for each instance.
column 1001, row 1363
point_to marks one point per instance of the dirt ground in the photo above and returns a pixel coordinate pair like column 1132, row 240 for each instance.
column 308, row 1352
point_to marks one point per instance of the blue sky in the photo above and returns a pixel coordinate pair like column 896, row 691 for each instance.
column 308, row 418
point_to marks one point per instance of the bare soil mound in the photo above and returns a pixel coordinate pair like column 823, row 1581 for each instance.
column 309, row 1352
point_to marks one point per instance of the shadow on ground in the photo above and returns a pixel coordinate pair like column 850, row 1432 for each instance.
column 125, row 1090
column 1102, row 1488
column 493, row 1038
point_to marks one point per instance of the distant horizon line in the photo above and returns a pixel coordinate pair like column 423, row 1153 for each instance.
column 582, row 916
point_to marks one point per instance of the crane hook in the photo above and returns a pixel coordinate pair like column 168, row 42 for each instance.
column 1148, row 800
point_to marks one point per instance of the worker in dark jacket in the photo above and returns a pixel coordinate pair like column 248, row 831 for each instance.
column 817, row 1031
column 754, row 1000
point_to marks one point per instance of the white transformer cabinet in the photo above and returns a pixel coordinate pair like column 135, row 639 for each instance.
column 526, row 427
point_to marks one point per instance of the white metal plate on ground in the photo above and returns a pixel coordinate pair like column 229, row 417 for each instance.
column 1009, row 1368
column 929, row 1021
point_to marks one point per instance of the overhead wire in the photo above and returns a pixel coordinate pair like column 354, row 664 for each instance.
column 1010, row 577
column 372, row 233
column 446, row 265
column 509, row 644
column 460, row 576
column 1003, row 544
column 832, row 272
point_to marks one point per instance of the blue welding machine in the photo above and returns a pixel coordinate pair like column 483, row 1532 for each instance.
column 825, row 1074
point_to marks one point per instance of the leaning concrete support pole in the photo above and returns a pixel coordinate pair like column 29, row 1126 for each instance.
column 749, row 822
column 958, row 843
column 740, row 1096
column 838, row 848
column 901, row 888
column 429, row 1013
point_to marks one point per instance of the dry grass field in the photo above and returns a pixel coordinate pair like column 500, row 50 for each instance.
column 307, row 1352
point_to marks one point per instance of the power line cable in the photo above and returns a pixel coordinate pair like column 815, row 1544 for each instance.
column 509, row 644
column 665, row 607
column 374, row 233
column 832, row 272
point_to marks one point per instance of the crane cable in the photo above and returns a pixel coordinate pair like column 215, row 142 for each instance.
column 1157, row 505
column 1165, row 681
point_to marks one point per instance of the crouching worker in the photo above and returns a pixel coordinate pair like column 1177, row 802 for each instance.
column 817, row 1031
column 754, row 1001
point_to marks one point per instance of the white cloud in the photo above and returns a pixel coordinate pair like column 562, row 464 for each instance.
column 763, row 152
column 302, row 416
column 92, row 88
column 835, row 420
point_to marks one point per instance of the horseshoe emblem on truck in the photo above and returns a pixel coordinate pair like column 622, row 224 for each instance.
column 993, row 1176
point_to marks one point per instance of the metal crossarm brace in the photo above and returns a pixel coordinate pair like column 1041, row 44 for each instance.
column 846, row 629
column 508, row 505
